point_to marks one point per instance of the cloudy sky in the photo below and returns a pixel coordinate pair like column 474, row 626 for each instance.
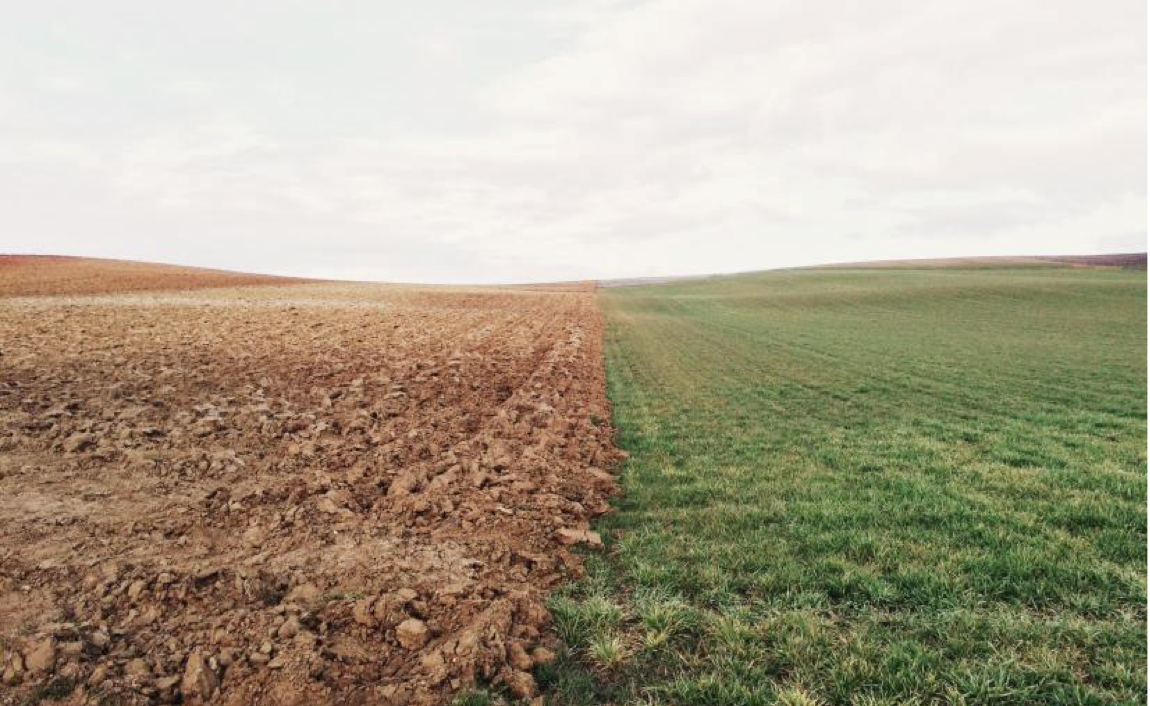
column 521, row 140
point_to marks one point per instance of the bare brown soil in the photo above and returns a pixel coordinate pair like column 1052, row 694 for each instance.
column 1134, row 261
column 22, row 275
column 306, row 494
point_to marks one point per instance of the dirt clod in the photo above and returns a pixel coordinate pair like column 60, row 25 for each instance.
column 521, row 684
column 41, row 658
column 570, row 536
column 199, row 681
column 542, row 655
column 411, row 633
column 517, row 657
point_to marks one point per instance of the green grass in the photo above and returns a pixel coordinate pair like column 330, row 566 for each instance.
column 871, row 487
column 475, row 697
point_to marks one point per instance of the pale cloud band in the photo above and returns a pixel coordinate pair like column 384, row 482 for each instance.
column 472, row 143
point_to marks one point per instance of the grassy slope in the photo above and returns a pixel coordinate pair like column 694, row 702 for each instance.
column 872, row 486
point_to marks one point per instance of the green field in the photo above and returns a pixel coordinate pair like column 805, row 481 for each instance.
column 884, row 486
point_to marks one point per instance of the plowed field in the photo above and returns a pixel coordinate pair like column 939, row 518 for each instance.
column 313, row 493
column 54, row 275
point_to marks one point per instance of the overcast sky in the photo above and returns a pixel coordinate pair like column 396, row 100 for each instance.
column 520, row 140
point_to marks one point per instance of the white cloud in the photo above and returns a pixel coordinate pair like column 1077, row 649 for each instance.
column 597, row 139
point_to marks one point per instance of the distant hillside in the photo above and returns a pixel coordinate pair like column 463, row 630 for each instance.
column 1136, row 261
column 24, row 275
column 1129, row 260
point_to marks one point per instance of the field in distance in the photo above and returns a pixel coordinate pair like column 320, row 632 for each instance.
column 1135, row 261
column 289, row 493
column 872, row 486
column 23, row 275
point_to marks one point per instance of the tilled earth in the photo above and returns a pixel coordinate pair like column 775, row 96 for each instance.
column 304, row 494
column 55, row 274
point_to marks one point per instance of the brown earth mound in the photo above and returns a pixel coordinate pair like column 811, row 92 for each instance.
column 1134, row 261
column 313, row 494
column 22, row 275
